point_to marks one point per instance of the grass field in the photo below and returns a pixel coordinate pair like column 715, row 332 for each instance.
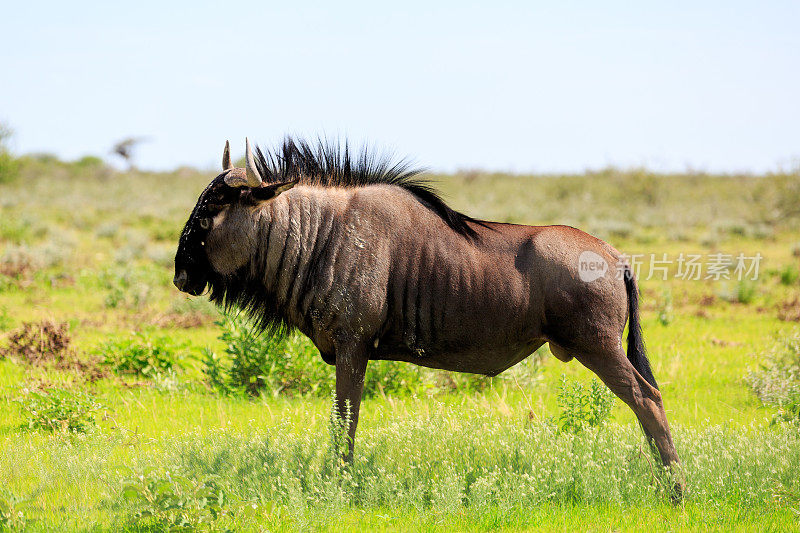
column 163, row 450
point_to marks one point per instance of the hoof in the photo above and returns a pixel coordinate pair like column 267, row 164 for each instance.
column 676, row 495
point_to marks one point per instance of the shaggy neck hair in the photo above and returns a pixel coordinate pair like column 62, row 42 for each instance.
column 320, row 165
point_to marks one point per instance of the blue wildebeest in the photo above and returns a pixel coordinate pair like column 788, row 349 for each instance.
column 366, row 259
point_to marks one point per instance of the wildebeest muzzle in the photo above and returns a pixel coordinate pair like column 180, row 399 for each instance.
column 184, row 284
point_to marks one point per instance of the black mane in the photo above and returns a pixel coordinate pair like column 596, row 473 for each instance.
column 244, row 292
column 329, row 164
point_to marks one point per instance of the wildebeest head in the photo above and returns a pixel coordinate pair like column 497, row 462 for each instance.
column 217, row 238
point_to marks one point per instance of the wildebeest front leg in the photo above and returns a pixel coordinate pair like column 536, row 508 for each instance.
column 351, row 365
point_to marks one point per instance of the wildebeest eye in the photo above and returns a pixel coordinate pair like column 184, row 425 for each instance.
column 205, row 223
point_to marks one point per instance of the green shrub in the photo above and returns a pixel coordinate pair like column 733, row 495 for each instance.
column 59, row 410
column 142, row 355
column 395, row 377
column 217, row 371
column 22, row 261
column 127, row 288
column 582, row 407
column 9, row 168
column 777, row 382
column 744, row 292
column 256, row 362
column 665, row 312
column 789, row 275
column 165, row 501
column 276, row 363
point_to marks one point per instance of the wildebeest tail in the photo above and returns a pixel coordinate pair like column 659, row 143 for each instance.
column 636, row 350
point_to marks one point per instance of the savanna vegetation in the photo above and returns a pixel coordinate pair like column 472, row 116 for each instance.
column 126, row 406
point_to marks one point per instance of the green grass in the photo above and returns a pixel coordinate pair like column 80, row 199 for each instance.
column 99, row 246
column 439, row 463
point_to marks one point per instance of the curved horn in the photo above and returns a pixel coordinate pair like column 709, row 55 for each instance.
column 253, row 177
column 226, row 157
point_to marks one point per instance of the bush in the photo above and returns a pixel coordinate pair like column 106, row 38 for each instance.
column 583, row 407
column 127, row 288
column 744, row 292
column 289, row 364
column 167, row 502
column 142, row 355
column 789, row 275
column 38, row 342
column 217, row 371
column 278, row 363
column 21, row 262
column 59, row 410
column 256, row 362
column 777, row 382
column 665, row 310
column 48, row 344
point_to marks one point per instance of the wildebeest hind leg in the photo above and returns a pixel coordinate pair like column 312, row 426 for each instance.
column 645, row 401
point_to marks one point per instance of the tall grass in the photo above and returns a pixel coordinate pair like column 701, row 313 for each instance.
column 444, row 464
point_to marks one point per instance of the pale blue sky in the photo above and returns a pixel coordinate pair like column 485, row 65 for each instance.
column 521, row 86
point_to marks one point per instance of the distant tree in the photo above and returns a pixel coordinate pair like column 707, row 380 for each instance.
column 125, row 149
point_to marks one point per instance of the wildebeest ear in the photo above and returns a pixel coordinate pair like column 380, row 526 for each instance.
column 265, row 192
